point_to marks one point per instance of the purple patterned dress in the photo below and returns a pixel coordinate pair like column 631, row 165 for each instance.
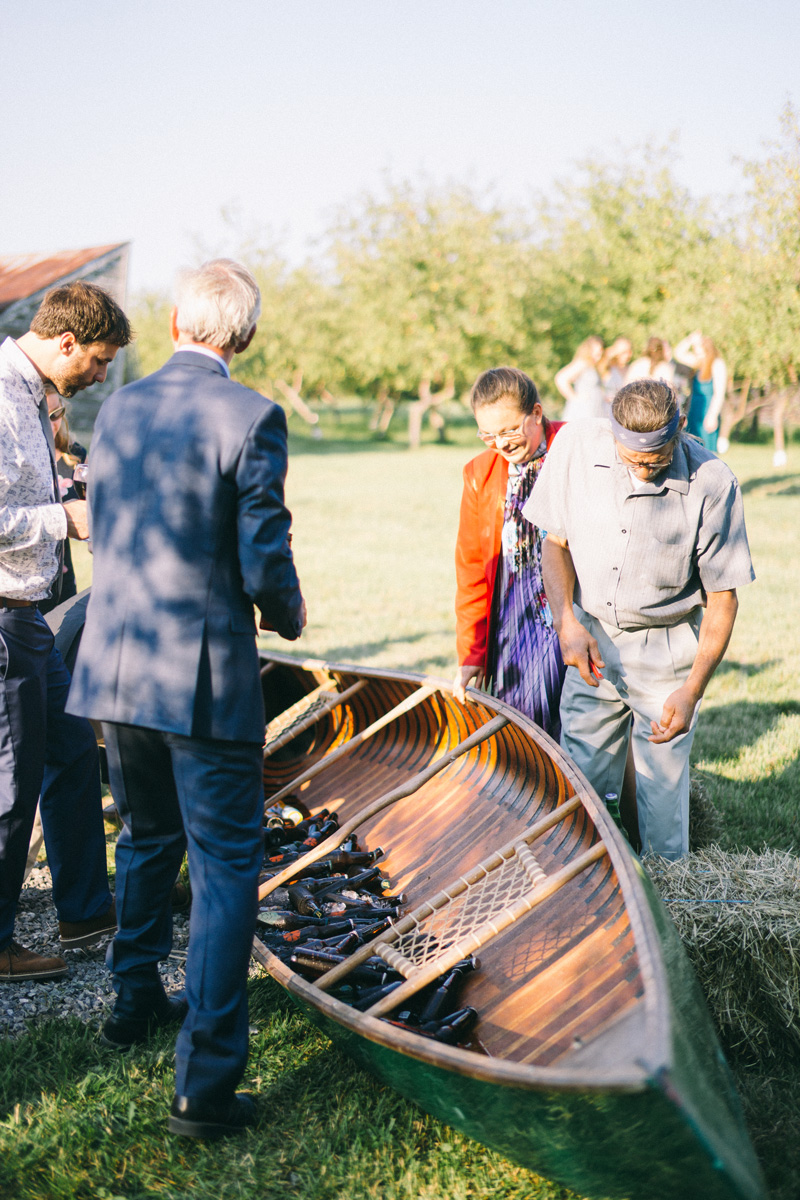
column 526, row 668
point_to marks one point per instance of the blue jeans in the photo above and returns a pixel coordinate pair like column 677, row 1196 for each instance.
column 45, row 750
column 175, row 793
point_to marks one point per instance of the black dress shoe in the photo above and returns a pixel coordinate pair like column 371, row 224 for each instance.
column 121, row 1033
column 202, row 1119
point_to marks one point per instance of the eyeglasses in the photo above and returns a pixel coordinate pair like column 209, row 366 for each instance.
column 509, row 435
column 654, row 467
column 57, row 413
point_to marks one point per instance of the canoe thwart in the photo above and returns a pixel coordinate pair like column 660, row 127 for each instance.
column 354, row 742
column 460, row 928
column 407, row 789
column 414, row 919
column 305, row 713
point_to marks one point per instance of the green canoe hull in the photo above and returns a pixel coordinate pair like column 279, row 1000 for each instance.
column 681, row 1135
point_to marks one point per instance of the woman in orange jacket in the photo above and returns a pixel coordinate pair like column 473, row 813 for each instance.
column 504, row 629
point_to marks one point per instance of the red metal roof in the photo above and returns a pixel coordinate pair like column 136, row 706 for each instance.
column 22, row 275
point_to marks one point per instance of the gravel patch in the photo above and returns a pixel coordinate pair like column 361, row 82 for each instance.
column 86, row 992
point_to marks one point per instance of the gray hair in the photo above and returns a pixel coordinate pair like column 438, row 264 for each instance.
column 644, row 405
column 218, row 303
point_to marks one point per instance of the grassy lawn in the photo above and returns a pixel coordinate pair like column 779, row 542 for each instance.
column 373, row 536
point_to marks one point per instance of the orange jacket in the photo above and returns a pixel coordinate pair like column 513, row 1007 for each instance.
column 478, row 550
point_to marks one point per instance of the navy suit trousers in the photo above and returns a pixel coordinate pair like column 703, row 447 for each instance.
column 176, row 792
column 45, row 750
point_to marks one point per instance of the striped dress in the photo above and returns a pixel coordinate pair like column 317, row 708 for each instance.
column 526, row 668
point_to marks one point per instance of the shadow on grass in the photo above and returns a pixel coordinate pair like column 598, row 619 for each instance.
column 723, row 731
column 361, row 652
column 755, row 812
column 761, row 481
column 54, row 1055
column 731, row 667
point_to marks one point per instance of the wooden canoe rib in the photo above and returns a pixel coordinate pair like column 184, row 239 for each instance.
column 594, row 1061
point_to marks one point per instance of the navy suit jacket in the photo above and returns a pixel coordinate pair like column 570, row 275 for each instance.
column 189, row 530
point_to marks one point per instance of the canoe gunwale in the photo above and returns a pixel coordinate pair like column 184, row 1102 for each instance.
column 656, row 1041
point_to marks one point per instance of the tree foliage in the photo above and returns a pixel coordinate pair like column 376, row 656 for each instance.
column 430, row 285
column 417, row 284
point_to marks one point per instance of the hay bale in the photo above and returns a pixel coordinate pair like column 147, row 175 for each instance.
column 705, row 822
column 738, row 916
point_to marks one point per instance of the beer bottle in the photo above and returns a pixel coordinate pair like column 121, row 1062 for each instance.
column 345, row 943
column 278, row 919
column 456, row 1027
column 374, row 976
column 472, row 963
column 319, row 961
column 371, row 996
column 304, row 900
column 284, row 859
column 328, row 929
column 326, row 883
column 357, row 910
column 339, row 860
column 278, row 831
column 447, row 988
column 368, row 932
column 335, row 883
column 318, row 833
column 303, row 828
column 363, row 879
column 442, row 998
column 612, row 804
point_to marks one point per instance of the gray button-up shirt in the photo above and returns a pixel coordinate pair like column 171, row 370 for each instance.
column 32, row 521
column 643, row 555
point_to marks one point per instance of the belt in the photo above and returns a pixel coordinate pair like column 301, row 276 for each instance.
column 8, row 602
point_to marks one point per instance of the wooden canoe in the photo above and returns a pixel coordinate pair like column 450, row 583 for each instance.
column 594, row 1062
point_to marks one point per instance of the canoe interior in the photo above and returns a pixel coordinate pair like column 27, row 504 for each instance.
column 557, row 981
column 574, row 998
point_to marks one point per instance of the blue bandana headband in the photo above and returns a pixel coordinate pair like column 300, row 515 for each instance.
column 653, row 439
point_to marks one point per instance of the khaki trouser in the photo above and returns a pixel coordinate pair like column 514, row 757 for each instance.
column 642, row 667
column 37, row 837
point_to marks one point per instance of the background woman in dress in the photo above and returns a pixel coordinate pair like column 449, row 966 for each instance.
column 613, row 368
column 580, row 384
column 504, row 629
column 655, row 363
column 708, row 386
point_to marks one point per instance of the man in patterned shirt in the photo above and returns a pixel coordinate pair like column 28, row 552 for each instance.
column 73, row 337
column 646, row 547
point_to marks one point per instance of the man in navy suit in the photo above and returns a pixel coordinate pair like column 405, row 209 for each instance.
column 189, row 532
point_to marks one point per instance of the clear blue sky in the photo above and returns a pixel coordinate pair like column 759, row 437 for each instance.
column 143, row 119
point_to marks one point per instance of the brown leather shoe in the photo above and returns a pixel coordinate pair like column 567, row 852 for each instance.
column 181, row 898
column 18, row 964
column 75, row 934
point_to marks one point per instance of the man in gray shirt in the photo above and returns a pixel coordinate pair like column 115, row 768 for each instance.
column 646, row 546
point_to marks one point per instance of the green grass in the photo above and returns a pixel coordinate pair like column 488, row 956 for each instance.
column 373, row 536
column 82, row 1122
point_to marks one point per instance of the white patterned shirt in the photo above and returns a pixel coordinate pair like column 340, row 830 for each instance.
column 32, row 523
